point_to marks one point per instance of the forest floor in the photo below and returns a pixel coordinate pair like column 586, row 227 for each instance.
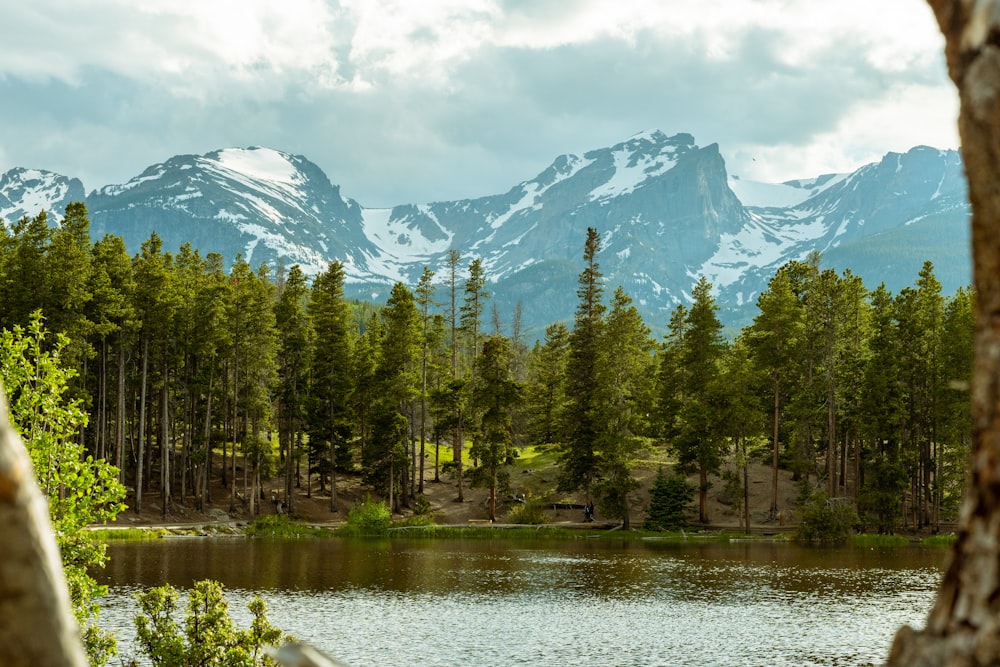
column 532, row 476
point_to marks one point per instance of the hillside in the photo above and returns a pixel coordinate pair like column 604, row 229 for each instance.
column 532, row 476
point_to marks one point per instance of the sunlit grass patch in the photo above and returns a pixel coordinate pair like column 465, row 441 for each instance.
column 866, row 540
column 125, row 534
column 939, row 540
column 282, row 527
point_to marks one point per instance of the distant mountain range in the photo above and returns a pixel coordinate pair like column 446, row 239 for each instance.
column 666, row 208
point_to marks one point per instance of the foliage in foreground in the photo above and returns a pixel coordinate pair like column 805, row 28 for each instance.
column 208, row 636
column 79, row 490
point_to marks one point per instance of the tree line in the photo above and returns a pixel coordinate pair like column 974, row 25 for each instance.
column 188, row 369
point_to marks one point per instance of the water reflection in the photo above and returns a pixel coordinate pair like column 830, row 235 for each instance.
column 581, row 602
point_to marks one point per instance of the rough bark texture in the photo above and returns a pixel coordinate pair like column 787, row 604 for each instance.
column 963, row 627
column 37, row 627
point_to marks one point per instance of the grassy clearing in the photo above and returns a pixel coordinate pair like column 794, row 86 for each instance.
column 939, row 540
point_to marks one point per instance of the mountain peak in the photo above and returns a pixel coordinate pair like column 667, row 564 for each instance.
column 26, row 192
column 258, row 163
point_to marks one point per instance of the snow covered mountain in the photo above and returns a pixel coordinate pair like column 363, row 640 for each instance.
column 666, row 208
column 257, row 202
column 25, row 192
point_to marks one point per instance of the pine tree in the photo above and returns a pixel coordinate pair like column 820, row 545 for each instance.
column 545, row 393
column 398, row 381
column 773, row 339
column 295, row 336
column 579, row 463
column 625, row 373
column 424, row 301
column 494, row 397
column 699, row 438
column 669, row 499
column 332, row 371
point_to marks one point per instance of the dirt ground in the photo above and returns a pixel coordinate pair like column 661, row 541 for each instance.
column 314, row 508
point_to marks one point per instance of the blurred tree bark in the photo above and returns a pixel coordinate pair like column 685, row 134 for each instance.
column 37, row 627
column 963, row 627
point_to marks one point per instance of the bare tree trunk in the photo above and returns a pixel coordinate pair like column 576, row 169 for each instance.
column 963, row 627
column 120, row 416
column 142, row 425
column 773, row 512
column 38, row 628
column 165, row 449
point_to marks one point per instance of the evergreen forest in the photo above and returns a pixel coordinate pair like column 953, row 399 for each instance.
column 187, row 368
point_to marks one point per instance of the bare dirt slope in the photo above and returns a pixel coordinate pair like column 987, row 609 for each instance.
column 537, row 483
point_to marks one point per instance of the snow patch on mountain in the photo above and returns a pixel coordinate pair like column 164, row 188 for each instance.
column 262, row 164
column 27, row 192
column 310, row 261
column 760, row 243
column 781, row 195
column 631, row 170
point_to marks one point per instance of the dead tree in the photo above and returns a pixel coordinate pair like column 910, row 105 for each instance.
column 963, row 627
column 37, row 627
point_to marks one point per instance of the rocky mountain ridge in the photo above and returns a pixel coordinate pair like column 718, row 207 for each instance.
column 666, row 208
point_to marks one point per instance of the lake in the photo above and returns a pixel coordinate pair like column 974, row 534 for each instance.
column 579, row 602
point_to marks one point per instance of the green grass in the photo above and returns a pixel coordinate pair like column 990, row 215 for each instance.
column 125, row 534
column 281, row 527
column 488, row 532
column 867, row 540
column 939, row 540
column 537, row 457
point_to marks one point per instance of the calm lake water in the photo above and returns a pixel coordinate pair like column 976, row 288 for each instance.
column 581, row 602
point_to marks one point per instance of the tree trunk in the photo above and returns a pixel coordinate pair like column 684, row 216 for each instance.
column 38, row 628
column 773, row 513
column 703, row 494
column 963, row 627
column 142, row 425
column 165, row 445
column 120, row 416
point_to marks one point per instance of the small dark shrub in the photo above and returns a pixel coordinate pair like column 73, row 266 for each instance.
column 668, row 503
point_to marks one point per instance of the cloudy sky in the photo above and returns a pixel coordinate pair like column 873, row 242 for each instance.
column 404, row 101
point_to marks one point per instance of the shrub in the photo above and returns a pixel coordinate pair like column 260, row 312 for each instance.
column 207, row 636
column 827, row 521
column 668, row 502
column 529, row 513
column 368, row 517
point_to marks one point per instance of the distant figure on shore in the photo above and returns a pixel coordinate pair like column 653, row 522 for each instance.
column 588, row 512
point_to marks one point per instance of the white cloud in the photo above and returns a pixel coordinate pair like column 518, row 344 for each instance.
column 416, row 100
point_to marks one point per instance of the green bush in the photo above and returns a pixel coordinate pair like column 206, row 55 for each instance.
column 368, row 517
column 668, row 503
column 207, row 636
column 529, row 513
column 827, row 521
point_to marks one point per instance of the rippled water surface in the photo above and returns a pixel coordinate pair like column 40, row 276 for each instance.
column 579, row 603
